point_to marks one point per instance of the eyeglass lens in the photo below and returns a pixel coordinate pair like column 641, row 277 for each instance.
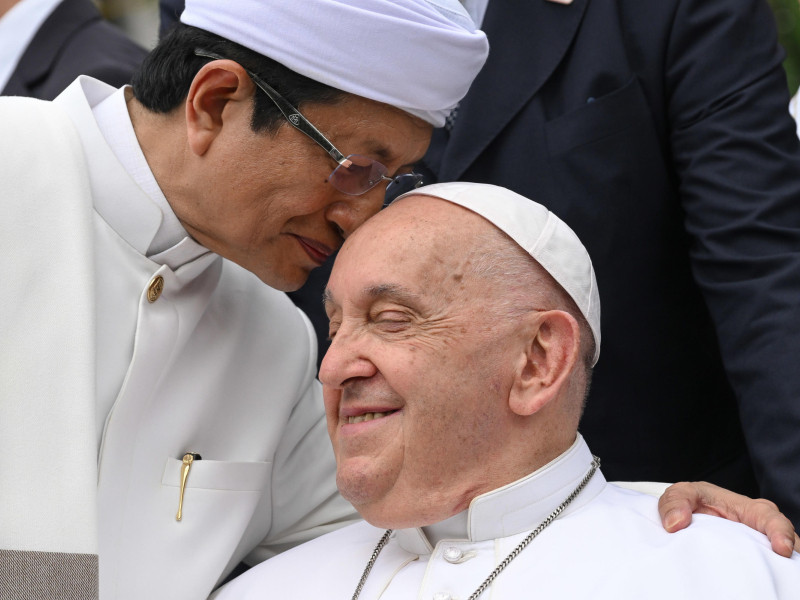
column 360, row 176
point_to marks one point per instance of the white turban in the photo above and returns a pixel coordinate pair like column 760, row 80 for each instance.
column 537, row 231
column 418, row 55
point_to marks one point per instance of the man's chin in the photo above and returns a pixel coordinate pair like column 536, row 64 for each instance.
column 285, row 282
column 377, row 504
column 363, row 488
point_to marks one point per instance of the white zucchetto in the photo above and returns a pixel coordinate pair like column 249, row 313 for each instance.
column 418, row 55
column 539, row 232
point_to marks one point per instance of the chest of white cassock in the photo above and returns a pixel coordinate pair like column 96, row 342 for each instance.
column 607, row 544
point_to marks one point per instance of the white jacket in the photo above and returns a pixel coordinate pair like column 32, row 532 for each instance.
column 219, row 364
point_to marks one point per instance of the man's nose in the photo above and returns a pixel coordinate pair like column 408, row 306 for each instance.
column 351, row 212
column 345, row 360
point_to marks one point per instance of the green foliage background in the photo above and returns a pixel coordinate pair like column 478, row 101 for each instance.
column 787, row 15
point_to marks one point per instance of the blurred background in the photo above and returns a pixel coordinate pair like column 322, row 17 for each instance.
column 139, row 19
column 787, row 15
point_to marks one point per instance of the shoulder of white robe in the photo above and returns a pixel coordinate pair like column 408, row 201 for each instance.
column 47, row 375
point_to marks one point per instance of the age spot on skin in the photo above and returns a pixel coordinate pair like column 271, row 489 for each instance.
column 458, row 277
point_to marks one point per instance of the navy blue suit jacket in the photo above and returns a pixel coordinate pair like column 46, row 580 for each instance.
column 658, row 130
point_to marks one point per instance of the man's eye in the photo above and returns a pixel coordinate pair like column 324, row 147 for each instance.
column 392, row 321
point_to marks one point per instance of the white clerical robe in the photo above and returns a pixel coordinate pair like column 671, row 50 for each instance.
column 217, row 363
column 608, row 544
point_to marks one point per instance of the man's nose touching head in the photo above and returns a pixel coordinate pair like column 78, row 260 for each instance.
column 457, row 363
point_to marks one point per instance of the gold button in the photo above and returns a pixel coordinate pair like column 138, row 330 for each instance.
column 155, row 288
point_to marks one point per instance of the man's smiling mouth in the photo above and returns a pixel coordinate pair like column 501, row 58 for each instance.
column 370, row 416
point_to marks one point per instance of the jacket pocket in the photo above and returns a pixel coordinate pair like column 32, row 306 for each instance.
column 607, row 163
column 599, row 119
column 218, row 505
column 219, row 475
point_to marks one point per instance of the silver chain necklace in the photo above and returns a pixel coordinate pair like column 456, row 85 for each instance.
column 507, row 560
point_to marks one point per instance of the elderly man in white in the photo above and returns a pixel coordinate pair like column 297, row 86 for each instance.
column 466, row 321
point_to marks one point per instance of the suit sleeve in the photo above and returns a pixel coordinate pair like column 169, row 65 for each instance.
column 305, row 500
column 737, row 158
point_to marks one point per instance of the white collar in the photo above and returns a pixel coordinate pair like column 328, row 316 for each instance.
column 114, row 122
column 522, row 505
column 117, row 198
column 17, row 28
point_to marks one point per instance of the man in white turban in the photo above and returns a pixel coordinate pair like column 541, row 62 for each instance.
column 465, row 322
column 160, row 419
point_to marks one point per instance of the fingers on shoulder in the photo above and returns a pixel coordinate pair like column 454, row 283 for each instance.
column 679, row 495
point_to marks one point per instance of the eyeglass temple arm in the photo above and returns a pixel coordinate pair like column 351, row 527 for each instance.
column 292, row 115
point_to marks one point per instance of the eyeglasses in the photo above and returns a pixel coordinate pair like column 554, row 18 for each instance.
column 355, row 174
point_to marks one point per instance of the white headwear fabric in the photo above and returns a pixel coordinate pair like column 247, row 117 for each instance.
column 539, row 232
column 418, row 55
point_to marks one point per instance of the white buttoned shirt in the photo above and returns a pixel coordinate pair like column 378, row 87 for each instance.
column 607, row 544
column 218, row 364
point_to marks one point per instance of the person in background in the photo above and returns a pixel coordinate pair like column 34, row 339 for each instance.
column 46, row 44
column 169, row 14
column 658, row 132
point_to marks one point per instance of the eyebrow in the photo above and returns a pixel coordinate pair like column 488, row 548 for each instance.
column 327, row 297
column 391, row 291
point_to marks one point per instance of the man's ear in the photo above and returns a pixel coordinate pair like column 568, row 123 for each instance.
column 215, row 87
column 551, row 351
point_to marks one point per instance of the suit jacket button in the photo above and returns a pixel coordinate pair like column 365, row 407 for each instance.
column 155, row 288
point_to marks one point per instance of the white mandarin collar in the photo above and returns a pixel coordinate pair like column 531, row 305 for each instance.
column 116, row 196
column 114, row 121
column 522, row 505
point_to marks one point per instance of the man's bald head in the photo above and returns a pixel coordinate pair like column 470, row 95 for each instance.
column 511, row 281
column 456, row 363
